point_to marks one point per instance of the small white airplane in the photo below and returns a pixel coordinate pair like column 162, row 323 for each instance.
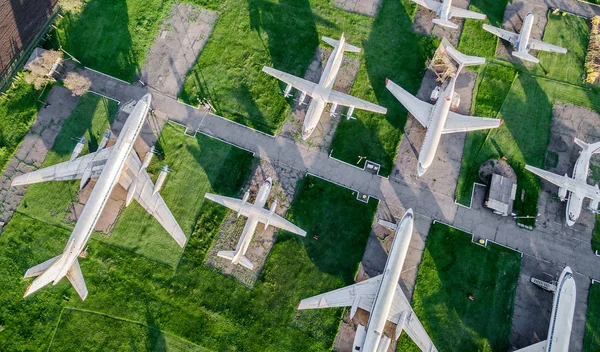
column 118, row 164
column 577, row 185
column 323, row 93
column 255, row 213
column 523, row 42
column 561, row 319
column 382, row 296
column 437, row 118
column 445, row 12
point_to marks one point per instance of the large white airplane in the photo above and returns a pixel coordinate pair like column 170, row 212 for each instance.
column 561, row 319
column 382, row 296
column 437, row 118
column 577, row 185
column 445, row 11
column 323, row 93
column 523, row 42
column 255, row 213
column 118, row 164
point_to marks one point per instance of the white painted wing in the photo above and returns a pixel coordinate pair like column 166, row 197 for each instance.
column 68, row 170
column 339, row 98
column 75, row 277
column 462, row 123
column 419, row 109
column 543, row 46
column 502, row 33
column 231, row 203
column 560, row 181
column 275, row 220
column 578, row 188
column 412, row 325
column 297, row 82
column 429, row 4
column 360, row 295
column 463, row 13
column 153, row 203
column 537, row 347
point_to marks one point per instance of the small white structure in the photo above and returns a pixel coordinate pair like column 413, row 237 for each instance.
column 501, row 195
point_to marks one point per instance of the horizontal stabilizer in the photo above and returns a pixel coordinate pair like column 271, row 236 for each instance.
column 538, row 347
column 462, row 59
column 226, row 254
column 335, row 43
column 230, row 255
column 387, row 224
column 40, row 268
column 594, row 147
column 445, row 23
column 463, row 13
column 525, row 56
column 75, row 277
column 246, row 262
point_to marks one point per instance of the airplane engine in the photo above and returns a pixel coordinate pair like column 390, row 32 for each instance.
column 384, row 344
column 244, row 200
column 350, row 113
column 359, row 337
column 332, row 112
column 302, row 98
column 562, row 194
column 78, row 148
column 161, row 179
column 435, row 94
column 455, row 100
column 271, row 212
column 288, row 89
column 148, row 158
column 594, row 205
column 104, row 140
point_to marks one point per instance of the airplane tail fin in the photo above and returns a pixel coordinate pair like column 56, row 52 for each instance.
column 525, row 56
column 594, row 147
column 47, row 273
column 335, row 43
column 231, row 255
column 444, row 23
column 462, row 59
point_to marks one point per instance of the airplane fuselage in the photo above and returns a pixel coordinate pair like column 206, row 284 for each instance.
column 563, row 309
column 580, row 174
column 525, row 35
column 103, row 187
column 444, row 12
column 437, row 121
column 389, row 284
column 323, row 89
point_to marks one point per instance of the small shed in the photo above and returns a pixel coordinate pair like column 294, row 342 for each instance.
column 501, row 195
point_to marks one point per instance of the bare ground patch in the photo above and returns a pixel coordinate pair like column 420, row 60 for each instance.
column 284, row 187
column 363, row 7
column 322, row 135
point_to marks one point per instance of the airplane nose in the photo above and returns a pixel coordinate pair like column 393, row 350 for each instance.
column 420, row 170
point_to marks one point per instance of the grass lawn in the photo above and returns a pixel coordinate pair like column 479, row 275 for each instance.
column 570, row 32
column 596, row 235
column 474, row 40
column 90, row 118
column 18, row 108
column 453, row 267
column 112, row 36
column 591, row 340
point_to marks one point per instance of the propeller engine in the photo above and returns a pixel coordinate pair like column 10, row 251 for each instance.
column 271, row 212
column 104, row 140
column 78, row 148
column 161, row 179
column 302, row 98
column 562, row 194
column 244, row 201
column 288, row 89
column 332, row 112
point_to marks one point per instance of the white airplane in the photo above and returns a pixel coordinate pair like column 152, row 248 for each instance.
column 437, row 118
column 445, row 11
column 323, row 93
column 117, row 164
column 523, row 42
column 382, row 296
column 561, row 319
column 255, row 213
column 577, row 185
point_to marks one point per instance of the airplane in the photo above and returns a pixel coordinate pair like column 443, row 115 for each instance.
column 114, row 165
column 323, row 93
column 576, row 185
column 445, row 11
column 255, row 213
column 382, row 296
column 437, row 118
column 561, row 319
column 523, row 42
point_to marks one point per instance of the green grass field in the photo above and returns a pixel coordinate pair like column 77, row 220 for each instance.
column 570, row 32
column 596, row 235
column 474, row 40
column 453, row 267
column 591, row 340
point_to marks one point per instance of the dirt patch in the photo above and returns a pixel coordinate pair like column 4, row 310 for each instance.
column 514, row 15
column 177, row 46
column 283, row 190
column 494, row 166
column 323, row 134
column 363, row 7
column 422, row 23
column 443, row 173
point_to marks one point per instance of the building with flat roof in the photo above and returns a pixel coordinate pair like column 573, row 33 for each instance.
column 501, row 195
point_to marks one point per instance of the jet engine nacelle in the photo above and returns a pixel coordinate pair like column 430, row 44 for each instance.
column 455, row 100
column 104, row 140
column 148, row 158
column 78, row 148
column 435, row 94
column 562, row 193
column 161, row 179
column 288, row 89
column 332, row 112
column 359, row 338
column 271, row 212
column 244, row 200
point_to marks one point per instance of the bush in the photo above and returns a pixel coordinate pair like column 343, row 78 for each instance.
column 77, row 84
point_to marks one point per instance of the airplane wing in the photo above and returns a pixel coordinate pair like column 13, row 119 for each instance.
column 462, row 123
column 502, row 33
column 429, row 4
column 565, row 182
column 68, row 170
column 463, row 13
column 299, row 83
column 231, row 203
column 148, row 199
column 560, row 181
column 339, row 98
column 537, row 347
column 419, row 109
column 360, row 295
column 412, row 325
column 543, row 46
column 275, row 220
